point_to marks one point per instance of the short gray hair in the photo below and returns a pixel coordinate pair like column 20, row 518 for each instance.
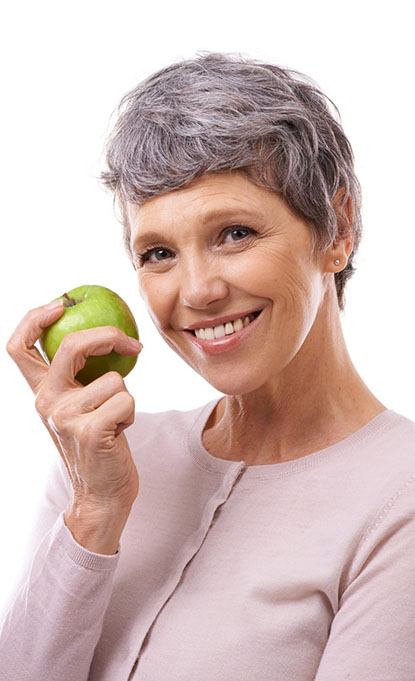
column 223, row 111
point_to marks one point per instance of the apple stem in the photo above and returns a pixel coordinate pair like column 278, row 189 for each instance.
column 68, row 301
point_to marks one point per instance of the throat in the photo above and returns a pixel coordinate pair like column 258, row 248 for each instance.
column 263, row 451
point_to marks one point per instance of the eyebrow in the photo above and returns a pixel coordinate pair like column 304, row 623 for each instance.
column 214, row 214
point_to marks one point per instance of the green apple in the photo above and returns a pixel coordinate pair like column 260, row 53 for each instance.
column 87, row 307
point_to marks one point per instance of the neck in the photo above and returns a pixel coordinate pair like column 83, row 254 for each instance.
column 316, row 401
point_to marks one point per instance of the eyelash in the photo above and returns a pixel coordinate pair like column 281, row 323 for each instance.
column 143, row 257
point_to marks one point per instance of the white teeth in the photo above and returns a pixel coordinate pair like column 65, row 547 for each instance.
column 222, row 330
column 219, row 331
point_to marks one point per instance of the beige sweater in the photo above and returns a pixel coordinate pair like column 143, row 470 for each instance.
column 225, row 572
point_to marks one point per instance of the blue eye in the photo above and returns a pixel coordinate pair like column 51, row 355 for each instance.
column 144, row 257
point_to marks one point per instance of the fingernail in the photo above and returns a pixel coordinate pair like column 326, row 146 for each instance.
column 135, row 343
column 53, row 305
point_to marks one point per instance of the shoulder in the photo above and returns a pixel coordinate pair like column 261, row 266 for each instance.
column 386, row 463
column 397, row 440
column 396, row 452
column 393, row 480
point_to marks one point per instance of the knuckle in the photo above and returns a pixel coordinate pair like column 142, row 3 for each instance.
column 130, row 401
column 112, row 333
column 59, row 420
column 108, row 332
column 117, row 334
column 11, row 347
column 67, row 340
column 115, row 379
column 41, row 405
column 32, row 313
column 15, row 346
column 69, row 343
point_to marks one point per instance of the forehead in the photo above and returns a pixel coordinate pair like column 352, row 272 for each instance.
column 208, row 198
column 214, row 200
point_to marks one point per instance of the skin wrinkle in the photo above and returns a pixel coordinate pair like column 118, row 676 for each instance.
column 291, row 388
column 221, row 111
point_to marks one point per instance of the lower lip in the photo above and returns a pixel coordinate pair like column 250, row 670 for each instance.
column 219, row 345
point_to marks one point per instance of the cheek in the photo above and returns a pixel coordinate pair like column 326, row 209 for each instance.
column 257, row 268
column 157, row 298
column 284, row 277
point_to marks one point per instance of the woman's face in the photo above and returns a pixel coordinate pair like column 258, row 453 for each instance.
column 198, row 265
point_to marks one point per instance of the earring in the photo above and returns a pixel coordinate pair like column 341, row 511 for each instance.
column 337, row 262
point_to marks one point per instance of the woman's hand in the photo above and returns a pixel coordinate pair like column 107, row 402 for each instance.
column 85, row 422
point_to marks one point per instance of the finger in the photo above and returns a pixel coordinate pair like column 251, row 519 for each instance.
column 110, row 418
column 74, row 403
column 97, row 392
column 77, row 346
column 21, row 344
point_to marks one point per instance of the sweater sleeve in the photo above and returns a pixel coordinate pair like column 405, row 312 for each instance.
column 54, row 619
column 372, row 635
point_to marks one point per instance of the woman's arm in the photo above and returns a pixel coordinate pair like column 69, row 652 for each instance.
column 373, row 635
column 54, row 619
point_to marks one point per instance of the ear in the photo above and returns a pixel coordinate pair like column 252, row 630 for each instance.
column 344, row 211
column 343, row 245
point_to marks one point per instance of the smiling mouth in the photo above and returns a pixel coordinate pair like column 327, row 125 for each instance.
column 251, row 317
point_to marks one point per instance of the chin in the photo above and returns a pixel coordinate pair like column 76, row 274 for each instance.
column 229, row 378
column 231, row 382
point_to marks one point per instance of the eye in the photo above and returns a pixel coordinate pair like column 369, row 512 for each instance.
column 239, row 228
column 159, row 249
column 143, row 257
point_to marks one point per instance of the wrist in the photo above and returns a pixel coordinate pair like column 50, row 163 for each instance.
column 98, row 530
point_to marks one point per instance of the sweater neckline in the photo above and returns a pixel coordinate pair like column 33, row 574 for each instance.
column 204, row 459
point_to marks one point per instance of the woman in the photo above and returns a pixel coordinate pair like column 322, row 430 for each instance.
column 268, row 534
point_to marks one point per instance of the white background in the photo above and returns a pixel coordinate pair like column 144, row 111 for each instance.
column 65, row 67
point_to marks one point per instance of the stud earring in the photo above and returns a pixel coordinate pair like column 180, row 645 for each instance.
column 337, row 262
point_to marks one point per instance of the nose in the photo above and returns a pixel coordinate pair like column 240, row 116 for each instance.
column 202, row 283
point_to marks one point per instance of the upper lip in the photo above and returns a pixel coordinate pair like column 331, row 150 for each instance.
column 204, row 323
